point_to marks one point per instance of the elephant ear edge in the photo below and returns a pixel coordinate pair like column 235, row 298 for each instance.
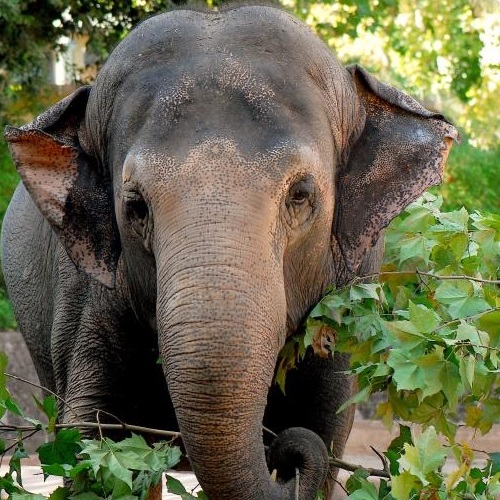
column 68, row 187
column 401, row 152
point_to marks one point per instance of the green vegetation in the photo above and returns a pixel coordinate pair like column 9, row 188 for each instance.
column 471, row 179
column 8, row 180
column 425, row 333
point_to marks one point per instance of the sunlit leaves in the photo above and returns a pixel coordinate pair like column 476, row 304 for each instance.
column 428, row 335
column 425, row 458
column 176, row 487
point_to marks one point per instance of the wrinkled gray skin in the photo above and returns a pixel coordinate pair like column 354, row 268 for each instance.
column 195, row 203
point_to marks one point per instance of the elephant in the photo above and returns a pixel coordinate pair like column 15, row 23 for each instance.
column 179, row 218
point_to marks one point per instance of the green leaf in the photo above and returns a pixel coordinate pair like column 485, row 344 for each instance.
column 60, row 493
column 459, row 296
column 451, row 383
column 366, row 491
column 396, row 448
column 494, row 463
column 364, row 291
column 407, row 375
column 469, row 334
column 467, row 367
column 403, row 485
column 405, row 332
column 27, row 496
column 4, row 393
column 360, row 396
column 425, row 457
column 424, row 319
column 15, row 461
column 86, row 495
column 414, row 247
column 456, row 221
column 175, row 486
column 56, row 470
column 13, row 407
column 62, row 450
column 49, row 407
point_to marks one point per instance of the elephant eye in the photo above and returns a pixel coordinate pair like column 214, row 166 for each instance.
column 136, row 211
column 301, row 192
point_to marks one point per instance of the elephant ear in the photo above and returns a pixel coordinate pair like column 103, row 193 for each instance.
column 68, row 186
column 400, row 153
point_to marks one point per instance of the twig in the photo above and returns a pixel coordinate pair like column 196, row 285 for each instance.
column 17, row 442
column 15, row 377
column 383, row 459
column 269, row 431
column 99, row 424
column 422, row 281
column 467, row 318
column 341, row 464
column 147, row 430
column 339, row 484
column 95, row 425
column 417, row 272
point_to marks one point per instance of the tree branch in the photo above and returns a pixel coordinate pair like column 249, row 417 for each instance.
column 96, row 425
column 416, row 272
column 341, row 464
column 38, row 386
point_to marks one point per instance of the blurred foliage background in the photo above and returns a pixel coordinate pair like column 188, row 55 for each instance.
column 446, row 54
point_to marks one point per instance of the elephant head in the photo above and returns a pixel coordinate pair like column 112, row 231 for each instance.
column 223, row 170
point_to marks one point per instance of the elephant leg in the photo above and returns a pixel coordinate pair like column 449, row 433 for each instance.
column 109, row 362
column 314, row 392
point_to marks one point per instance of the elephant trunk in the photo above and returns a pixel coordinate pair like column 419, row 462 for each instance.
column 220, row 328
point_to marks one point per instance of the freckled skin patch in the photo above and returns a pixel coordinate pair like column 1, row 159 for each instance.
column 220, row 174
column 50, row 168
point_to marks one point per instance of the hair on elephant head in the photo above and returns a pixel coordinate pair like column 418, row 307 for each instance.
column 196, row 202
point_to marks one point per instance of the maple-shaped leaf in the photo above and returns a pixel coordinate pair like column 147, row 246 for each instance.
column 426, row 456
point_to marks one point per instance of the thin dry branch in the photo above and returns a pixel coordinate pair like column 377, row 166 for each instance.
column 417, row 272
column 38, row 386
column 341, row 464
column 95, row 425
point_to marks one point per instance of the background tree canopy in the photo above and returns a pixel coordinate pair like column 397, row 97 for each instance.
column 445, row 53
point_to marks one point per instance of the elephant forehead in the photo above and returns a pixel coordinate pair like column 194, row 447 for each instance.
column 219, row 164
column 223, row 75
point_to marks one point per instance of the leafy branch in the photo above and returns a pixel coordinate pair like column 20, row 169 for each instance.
column 424, row 332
